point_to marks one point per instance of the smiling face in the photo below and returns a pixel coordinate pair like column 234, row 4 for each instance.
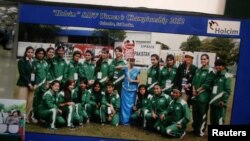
column 88, row 56
column 204, row 60
column 50, row 54
column 176, row 94
column 157, row 90
column 40, row 55
column 55, row 87
column 60, row 52
column 30, row 53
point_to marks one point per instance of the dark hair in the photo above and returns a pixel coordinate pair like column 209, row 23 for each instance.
column 110, row 84
column 97, row 83
column 67, row 93
column 119, row 49
column 146, row 91
column 53, row 83
column 91, row 53
column 49, row 48
column 158, row 65
column 170, row 56
column 100, row 60
column 77, row 53
column 205, row 56
column 220, row 62
column 39, row 50
column 79, row 93
column 59, row 47
column 26, row 50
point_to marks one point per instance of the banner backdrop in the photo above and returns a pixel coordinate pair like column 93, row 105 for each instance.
column 162, row 23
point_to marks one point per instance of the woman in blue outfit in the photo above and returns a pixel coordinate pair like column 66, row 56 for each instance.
column 129, row 88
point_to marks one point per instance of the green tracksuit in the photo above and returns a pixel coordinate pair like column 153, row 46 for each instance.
column 95, row 102
column 82, row 98
column 118, row 75
column 203, row 78
column 166, row 79
column 177, row 113
column 69, row 111
column 59, row 69
column 114, row 100
column 25, row 68
column 142, row 108
column 159, row 103
column 220, row 93
column 41, row 71
column 87, row 70
column 48, row 109
column 74, row 71
column 50, row 76
column 152, row 78
column 106, row 72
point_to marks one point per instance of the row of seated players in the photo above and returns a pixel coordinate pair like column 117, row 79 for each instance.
column 75, row 106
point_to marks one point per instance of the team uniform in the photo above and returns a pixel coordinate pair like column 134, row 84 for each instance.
column 118, row 75
column 69, row 111
column 159, row 103
column 106, row 72
column 166, row 79
column 41, row 71
column 87, row 70
column 220, row 93
column 114, row 100
column 48, row 109
column 82, row 99
column 95, row 103
column 59, row 69
column 177, row 113
column 142, row 108
column 203, row 78
column 152, row 78
column 73, row 71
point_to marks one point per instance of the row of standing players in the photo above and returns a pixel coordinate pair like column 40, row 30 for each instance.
column 201, row 86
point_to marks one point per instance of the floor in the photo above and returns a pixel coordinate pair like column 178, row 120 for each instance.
column 7, row 72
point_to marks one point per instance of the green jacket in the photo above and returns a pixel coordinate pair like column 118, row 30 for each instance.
column 87, row 70
column 166, row 78
column 178, row 112
column 143, row 102
column 159, row 103
column 95, row 98
column 203, row 78
column 107, row 71
column 83, row 98
column 221, row 88
column 60, row 69
column 153, row 75
column 113, row 99
column 118, row 74
column 41, row 71
column 50, row 75
column 73, row 68
column 25, row 69
column 49, row 101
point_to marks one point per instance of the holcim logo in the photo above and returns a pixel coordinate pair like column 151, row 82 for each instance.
column 223, row 27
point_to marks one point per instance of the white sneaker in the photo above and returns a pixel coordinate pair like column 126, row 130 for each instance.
column 34, row 120
column 183, row 134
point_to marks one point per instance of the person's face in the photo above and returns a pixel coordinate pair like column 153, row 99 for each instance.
column 170, row 62
column 142, row 91
column 188, row 59
column 71, row 87
column 40, row 55
column 118, row 53
column 157, row 90
column 76, row 57
column 50, row 54
column 56, row 87
column 97, row 88
column 30, row 53
column 83, row 85
column 110, row 89
column 154, row 61
column 176, row 95
column 104, row 55
column 60, row 52
column 15, row 114
column 88, row 56
column 219, row 68
column 131, row 62
column 204, row 61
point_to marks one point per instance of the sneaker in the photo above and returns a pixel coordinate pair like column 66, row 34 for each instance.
column 183, row 134
column 80, row 124
column 34, row 120
column 71, row 127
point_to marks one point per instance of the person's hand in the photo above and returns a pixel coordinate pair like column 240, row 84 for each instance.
column 186, row 86
column 59, row 111
column 195, row 93
column 179, row 125
column 162, row 117
column 154, row 115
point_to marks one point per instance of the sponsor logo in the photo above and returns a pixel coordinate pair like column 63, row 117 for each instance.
column 223, row 27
